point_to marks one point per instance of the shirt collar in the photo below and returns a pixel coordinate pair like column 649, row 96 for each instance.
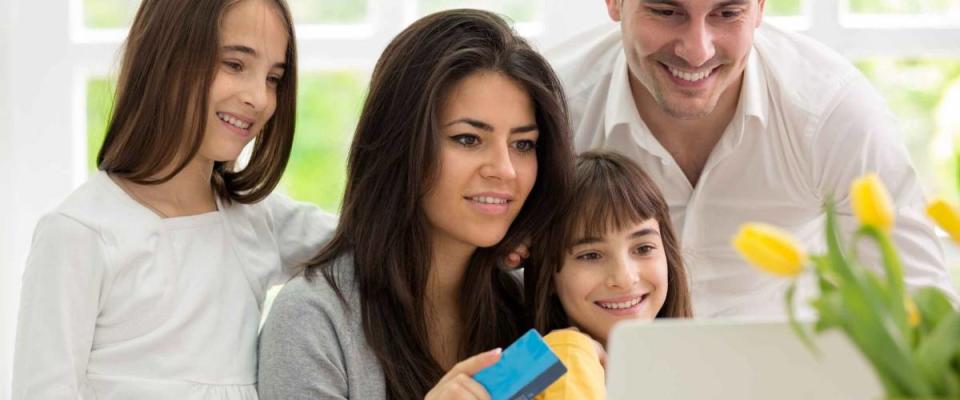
column 754, row 101
column 621, row 108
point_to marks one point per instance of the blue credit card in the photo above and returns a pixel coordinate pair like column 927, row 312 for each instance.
column 525, row 369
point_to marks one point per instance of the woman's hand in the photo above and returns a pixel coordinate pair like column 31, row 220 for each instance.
column 458, row 383
column 517, row 255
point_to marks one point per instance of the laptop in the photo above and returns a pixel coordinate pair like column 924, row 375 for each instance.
column 717, row 359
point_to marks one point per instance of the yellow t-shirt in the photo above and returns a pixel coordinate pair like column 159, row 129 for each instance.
column 584, row 378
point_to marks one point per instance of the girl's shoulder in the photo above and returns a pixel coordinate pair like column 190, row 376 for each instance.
column 100, row 206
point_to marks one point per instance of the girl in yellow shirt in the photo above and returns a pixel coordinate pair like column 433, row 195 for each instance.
column 615, row 258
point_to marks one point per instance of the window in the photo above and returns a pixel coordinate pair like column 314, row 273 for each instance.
column 521, row 11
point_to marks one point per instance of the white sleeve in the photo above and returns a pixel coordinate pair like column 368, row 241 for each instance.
column 859, row 136
column 300, row 228
column 59, row 304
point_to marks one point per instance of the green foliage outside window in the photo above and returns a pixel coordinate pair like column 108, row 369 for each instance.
column 903, row 6
column 328, row 105
column 920, row 92
column 517, row 10
column 783, row 7
column 106, row 14
column 329, row 11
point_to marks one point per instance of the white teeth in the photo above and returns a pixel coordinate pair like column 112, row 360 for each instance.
column 233, row 121
column 689, row 76
column 621, row 305
column 489, row 200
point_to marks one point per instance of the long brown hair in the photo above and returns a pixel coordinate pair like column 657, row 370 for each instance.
column 170, row 60
column 610, row 192
column 393, row 161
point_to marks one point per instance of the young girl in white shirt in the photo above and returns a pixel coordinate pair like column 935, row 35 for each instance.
column 147, row 281
column 613, row 257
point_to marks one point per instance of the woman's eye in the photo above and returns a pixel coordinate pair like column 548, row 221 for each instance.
column 233, row 65
column 589, row 256
column 274, row 81
column 525, row 145
column 466, row 140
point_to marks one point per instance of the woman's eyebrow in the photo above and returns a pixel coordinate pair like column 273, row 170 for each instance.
column 489, row 128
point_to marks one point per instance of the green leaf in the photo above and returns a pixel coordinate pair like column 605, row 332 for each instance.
column 935, row 353
column 792, row 317
column 894, row 274
column 828, row 308
column 838, row 263
column 879, row 342
column 933, row 305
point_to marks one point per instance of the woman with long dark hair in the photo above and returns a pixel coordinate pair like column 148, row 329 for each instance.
column 462, row 152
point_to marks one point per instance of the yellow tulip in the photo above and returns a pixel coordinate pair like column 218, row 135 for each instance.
column 913, row 314
column 871, row 202
column 771, row 249
column 946, row 216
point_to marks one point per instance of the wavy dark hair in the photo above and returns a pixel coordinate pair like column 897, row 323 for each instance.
column 610, row 192
column 392, row 163
column 170, row 59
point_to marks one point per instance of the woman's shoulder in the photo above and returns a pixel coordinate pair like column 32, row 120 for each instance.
column 311, row 293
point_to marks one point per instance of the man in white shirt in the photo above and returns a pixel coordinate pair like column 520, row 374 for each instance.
column 738, row 121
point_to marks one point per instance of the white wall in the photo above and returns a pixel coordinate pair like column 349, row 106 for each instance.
column 8, row 279
column 37, row 151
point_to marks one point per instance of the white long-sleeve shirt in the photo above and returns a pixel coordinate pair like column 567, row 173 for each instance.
column 118, row 303
column 807, row 124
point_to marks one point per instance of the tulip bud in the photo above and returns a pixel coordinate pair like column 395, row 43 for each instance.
column 871, row 202
column 913, row 314
column 946, row 216
column 771, row 249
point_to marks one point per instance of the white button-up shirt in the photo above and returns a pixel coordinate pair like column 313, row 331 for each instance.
column 807, row 124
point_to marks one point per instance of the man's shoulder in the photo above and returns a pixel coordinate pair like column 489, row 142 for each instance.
column 586, row 59
column 800, row 69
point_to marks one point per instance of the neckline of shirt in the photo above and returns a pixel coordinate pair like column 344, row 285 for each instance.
column 620, row 108
column 171, row 222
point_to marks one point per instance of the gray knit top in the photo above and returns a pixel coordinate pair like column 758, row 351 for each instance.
column 312, row 346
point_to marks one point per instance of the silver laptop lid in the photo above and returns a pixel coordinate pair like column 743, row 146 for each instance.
column 717, row 359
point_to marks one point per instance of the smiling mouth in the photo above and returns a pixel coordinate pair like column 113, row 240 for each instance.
column 622, row 305
column 690, row 76
column 488, row 200
column 233, row 121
